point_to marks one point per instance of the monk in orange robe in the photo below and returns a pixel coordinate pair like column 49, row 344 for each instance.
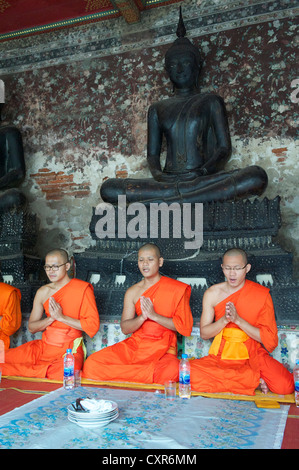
column 10, row 312
column 70, row 308
column 149, row 355
column 239, row 315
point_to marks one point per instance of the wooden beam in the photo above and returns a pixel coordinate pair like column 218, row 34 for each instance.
column 128, row 9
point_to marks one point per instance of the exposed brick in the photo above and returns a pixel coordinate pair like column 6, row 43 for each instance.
column 280, row 152
column 56, row 185
column 121, row 171
column 63, row 178
column 121, row 174
column 80, row 193
column 54, row 196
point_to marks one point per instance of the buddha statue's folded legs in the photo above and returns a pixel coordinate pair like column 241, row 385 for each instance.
column 222, row 186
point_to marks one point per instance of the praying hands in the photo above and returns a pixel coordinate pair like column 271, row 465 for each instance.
column 147, row 308
column 55, row 309
column 231, row 313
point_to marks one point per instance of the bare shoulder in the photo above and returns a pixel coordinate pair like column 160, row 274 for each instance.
column 213, row 293
column 215, row 288
column 134, row 288
column 43, row 293
column 130, row 299
column 139, row 286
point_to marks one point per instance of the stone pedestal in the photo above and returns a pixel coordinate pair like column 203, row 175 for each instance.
column 111, row 265
column 20, row 264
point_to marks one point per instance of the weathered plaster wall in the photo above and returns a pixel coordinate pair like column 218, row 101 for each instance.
column 80, row 98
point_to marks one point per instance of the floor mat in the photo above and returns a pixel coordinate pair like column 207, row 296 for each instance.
column 269, row 400
column 146, row 421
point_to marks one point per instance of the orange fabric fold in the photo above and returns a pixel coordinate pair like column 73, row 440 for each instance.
column 10, row 312
column 59, row 336
column 172, row 350
column 234, row 348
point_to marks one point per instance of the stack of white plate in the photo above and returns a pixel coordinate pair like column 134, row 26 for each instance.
column 96, row 413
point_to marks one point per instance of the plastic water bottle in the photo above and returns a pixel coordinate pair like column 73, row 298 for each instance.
column 68, row 370
column 296, row 382
column 184, row 385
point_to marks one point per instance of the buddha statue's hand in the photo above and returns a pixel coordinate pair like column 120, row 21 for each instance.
column 190, row 175
column 165, row 177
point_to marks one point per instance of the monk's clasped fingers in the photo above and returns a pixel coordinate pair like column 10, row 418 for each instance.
column 55, row 309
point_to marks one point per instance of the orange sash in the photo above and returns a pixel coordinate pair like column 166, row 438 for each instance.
column 234, row 347
column 59, row 336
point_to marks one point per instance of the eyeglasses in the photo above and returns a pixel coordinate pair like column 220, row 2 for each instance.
column 235, row 268
column 55, row 267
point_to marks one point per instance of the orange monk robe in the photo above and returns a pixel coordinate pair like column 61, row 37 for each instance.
column 149, row 355
column 44, row 357
column 218, row 372
column 10, row 312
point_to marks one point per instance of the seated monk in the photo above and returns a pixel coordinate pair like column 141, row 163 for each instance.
column 70, row 308
column 10, row 312
column 155, row 309
column 239, row 313
column 198, row 143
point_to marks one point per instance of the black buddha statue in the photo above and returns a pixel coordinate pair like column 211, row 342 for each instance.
column 12, row 164
column 198, row 143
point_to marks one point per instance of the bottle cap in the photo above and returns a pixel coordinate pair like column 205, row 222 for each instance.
column 69, row 351
column 184, row 356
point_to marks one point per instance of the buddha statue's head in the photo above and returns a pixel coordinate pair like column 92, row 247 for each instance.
column 183, row 61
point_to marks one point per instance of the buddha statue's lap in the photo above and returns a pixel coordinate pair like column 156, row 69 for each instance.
column 198, row 142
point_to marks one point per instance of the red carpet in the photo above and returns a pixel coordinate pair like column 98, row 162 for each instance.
column 291, row 433
column 15, row 393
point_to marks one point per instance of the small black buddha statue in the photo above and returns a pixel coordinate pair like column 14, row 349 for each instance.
column 12, row 163
column 198, row 142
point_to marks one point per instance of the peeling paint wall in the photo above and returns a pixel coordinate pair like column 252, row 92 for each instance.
column 80, row 98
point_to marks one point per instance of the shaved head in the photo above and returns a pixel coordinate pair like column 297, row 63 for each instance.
column 236, row 252
column 150, row 246
column 59, row 252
